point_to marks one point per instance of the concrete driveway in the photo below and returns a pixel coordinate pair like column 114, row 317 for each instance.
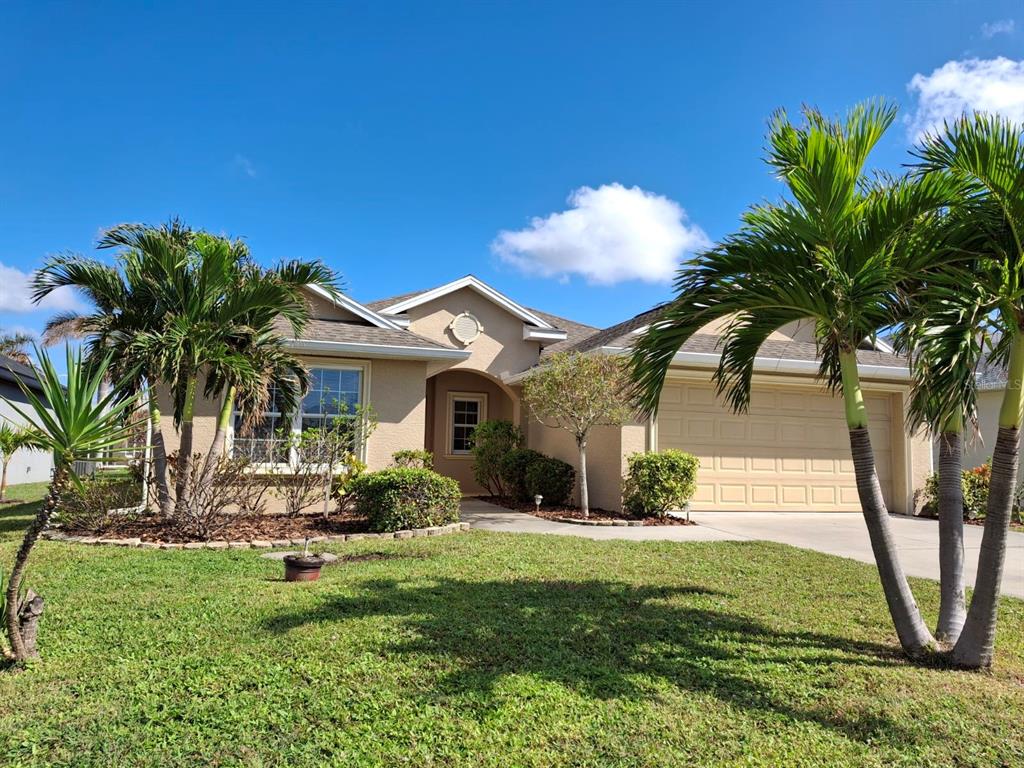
column 835, row 533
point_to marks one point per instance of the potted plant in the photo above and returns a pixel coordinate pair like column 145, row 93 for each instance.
column 304, row 567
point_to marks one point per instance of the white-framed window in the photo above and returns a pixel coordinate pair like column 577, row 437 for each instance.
column 334, row 395
column 465, row 412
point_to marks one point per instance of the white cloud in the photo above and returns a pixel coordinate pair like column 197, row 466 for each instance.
column 1001, row 27
column 608, row 235
column 985, row 85
column 15, row 294
column 245, row 166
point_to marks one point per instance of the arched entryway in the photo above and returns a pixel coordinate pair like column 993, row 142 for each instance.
column 458, row 400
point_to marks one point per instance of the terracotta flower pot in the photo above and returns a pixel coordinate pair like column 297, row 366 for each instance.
column 302, row 568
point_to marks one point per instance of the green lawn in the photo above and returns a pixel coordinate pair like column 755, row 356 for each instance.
column 491, row 650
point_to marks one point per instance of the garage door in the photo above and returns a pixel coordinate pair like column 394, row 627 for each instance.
column 791, row 452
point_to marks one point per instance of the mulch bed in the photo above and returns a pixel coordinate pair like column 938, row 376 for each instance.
column 550, row 512
column 237, row 528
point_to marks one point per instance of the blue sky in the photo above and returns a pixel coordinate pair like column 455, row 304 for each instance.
column 398, row 141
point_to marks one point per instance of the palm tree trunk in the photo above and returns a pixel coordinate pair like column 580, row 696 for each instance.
column 163, row 490
column 584, row 493
column 952, row 603
column 913, row 635
column 219, row 436
column 976, row 645
column 37, row 526
column 3, row 479
column 184, row 466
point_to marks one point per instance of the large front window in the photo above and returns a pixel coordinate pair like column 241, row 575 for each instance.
column 332, row 402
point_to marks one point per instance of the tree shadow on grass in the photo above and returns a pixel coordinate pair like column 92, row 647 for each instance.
column 15, row 517
column 610, row 640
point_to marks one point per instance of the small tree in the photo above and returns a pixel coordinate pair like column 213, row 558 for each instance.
column 578, row 392
column 12, row 440
column 324, row 460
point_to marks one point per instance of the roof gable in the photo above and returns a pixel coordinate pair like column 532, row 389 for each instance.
column 351, row 305
column 404, row 303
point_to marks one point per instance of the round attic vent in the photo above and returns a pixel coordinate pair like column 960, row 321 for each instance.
column 466, row 328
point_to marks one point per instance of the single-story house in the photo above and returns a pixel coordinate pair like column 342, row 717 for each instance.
column 434, row 363
column 990, row 380
column 26, row 466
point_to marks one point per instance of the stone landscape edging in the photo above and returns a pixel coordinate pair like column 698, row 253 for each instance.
column 617, row 522
column 412, row 533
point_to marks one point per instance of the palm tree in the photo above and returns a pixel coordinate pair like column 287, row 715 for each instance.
column 945, row 339
column 985, row 153
column 190, row 305
column 72, row 423
column 224, row 302
column 836, row 253
column 127, row 300
column 13, row 345
column 12, row 440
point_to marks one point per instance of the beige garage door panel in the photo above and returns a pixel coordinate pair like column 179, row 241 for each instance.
column 790, row 452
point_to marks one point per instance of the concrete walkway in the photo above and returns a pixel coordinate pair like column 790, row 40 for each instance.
column 835, row 533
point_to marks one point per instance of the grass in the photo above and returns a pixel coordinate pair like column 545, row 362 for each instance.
column 491, row 650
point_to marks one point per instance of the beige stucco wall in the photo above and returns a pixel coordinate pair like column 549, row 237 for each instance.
column 978, row 448
column 436, row 438
column 204, row 422
column 607, row 451
column 500, row 349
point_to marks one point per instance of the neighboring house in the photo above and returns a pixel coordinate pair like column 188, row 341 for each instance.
column 435, row 363
column 26, row 466
column 991, row 383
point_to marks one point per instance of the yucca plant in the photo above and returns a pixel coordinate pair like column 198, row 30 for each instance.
column 73, row 423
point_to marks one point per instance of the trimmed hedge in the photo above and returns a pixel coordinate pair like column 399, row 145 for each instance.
column 658, row 482
column 413, row 457
column 551, row 478
column 513, row 471
column 406, row 497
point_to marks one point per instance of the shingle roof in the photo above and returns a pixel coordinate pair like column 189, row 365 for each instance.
column 386, row 302
column 356, row 333
column 622, row 336
column 989, row 375
column 13, row 371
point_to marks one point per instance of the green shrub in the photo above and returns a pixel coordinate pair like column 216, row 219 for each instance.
column 413, row 457
column 513, row 471
column 975, row 484
column 406, row 497
column 492, row 441
column 551, row 478
column 658, row 482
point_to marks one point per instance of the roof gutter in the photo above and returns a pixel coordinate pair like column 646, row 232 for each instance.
column 359, row 349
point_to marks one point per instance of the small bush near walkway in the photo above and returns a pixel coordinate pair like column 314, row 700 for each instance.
column 658, row 482
column 551, row 478
column 406, row 497
column 513, row 470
